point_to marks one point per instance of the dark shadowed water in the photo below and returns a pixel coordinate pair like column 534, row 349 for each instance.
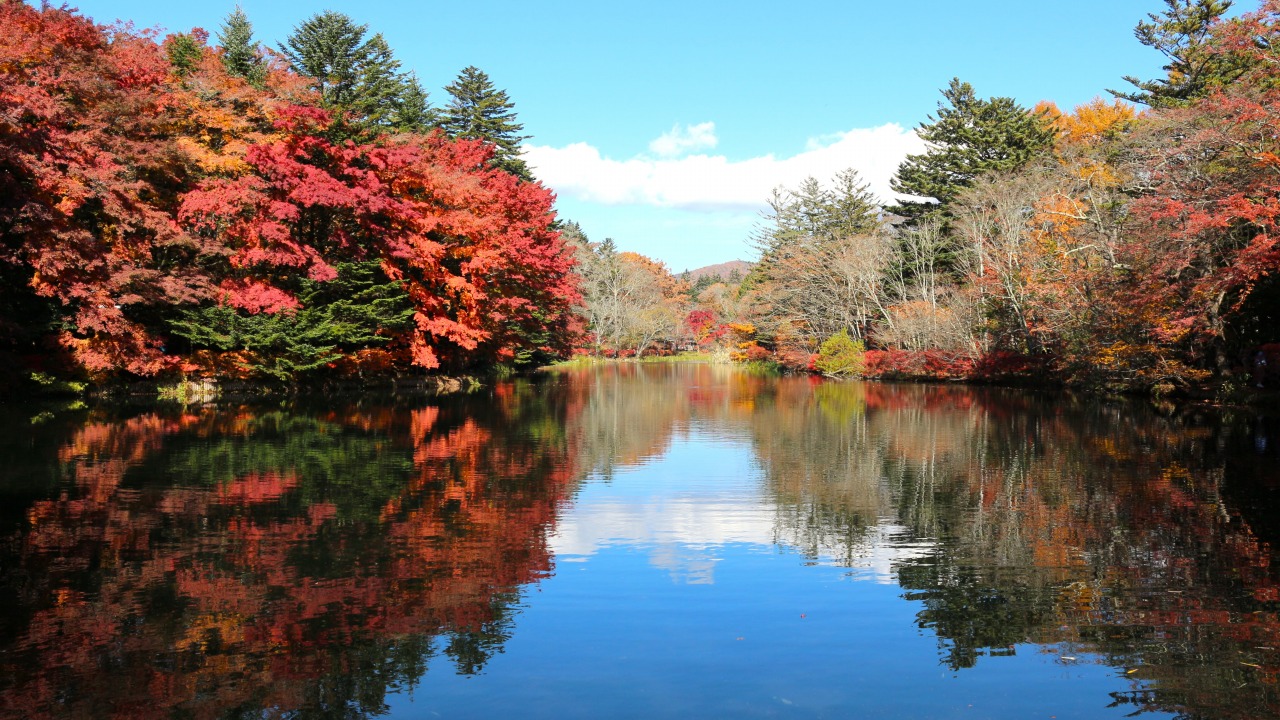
column 680, row 541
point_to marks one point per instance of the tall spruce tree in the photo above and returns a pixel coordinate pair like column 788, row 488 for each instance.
column 814, row 214
column 352, row 73
column 969, row 137
column 481, row 111
column 1181, row 34
column 413, row 111
column 854, row 208
column 813, row 218
column 240, row 53
column 184, row 53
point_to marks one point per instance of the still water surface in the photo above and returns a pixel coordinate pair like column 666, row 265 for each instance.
column 642, row 542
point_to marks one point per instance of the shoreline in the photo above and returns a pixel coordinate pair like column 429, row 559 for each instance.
column 1223, row 394
column 211, row 390
column 200, row 391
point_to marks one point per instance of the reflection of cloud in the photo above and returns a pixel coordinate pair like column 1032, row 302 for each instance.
column 659, row 521
column 685, row 536
column 682, row 532
column 703, row 500
column 713, row 182
column 878, row 553
column 687, row 564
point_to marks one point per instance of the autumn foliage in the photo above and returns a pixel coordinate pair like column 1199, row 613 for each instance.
column 1122, row 249
column 137, row 192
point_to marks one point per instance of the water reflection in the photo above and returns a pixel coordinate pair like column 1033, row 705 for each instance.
column 240, row 562
column 1108, row 532
column 318, row 560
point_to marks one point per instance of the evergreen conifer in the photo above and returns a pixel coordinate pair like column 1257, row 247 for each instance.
column 969, row 137
column 240, row 54
column 184, row 52
column 481, row 111
column 357, row 75
column 413, row 111
column 1181, row 34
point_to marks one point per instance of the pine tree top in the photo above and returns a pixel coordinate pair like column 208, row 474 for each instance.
column 240, row 53
column 970, row 136
column 478, row 110
column 357, row 74
column 1181, row 33
column 327, row 48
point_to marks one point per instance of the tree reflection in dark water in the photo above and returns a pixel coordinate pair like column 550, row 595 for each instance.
column 310, row 561
column 242, row 561
column 1142, row 538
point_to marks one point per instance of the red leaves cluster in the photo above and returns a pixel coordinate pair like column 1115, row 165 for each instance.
column 702, row 323
column 80, row 109
column 475, row 249
column 1209, row 230
column 248, row 596
column 130, row 190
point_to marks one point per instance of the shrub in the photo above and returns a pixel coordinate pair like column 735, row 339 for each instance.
column 841, row 355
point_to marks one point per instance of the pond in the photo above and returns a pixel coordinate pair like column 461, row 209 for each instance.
column 642, row 541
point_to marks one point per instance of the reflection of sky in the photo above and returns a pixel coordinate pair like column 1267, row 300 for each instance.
column 670, row 599
column 703, row 493
column 676, row 595
column 683, row 508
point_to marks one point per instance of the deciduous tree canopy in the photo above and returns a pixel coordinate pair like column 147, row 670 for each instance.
column 173, row 207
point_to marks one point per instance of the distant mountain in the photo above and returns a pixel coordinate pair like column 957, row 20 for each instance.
column 723, row 270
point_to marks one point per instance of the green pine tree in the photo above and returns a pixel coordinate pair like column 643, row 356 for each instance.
column 413, row 111
column 810, row 208
column 1181, row 34
column 479, row 110
column 814, row 214
column 352, row 73
column 240, row 53
column 853, row 208
column 360, row 308
column 379, row 84
column 184, row 52
column 969, row 137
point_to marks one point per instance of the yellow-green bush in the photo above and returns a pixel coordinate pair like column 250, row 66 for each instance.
column 841, row 355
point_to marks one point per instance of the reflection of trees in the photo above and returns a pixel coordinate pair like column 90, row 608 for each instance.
column 630, row 411
column 241, row 562
column 819, row 463
column 1101, row 531
column 226, row 562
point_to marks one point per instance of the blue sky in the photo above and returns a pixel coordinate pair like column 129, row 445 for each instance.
column 664, row 124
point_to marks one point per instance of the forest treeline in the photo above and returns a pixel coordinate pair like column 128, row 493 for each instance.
column 178, row 205
column 1128, row 243
column 205, row 206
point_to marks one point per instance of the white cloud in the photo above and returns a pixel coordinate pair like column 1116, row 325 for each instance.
column 713, row 182
column 680, row 140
